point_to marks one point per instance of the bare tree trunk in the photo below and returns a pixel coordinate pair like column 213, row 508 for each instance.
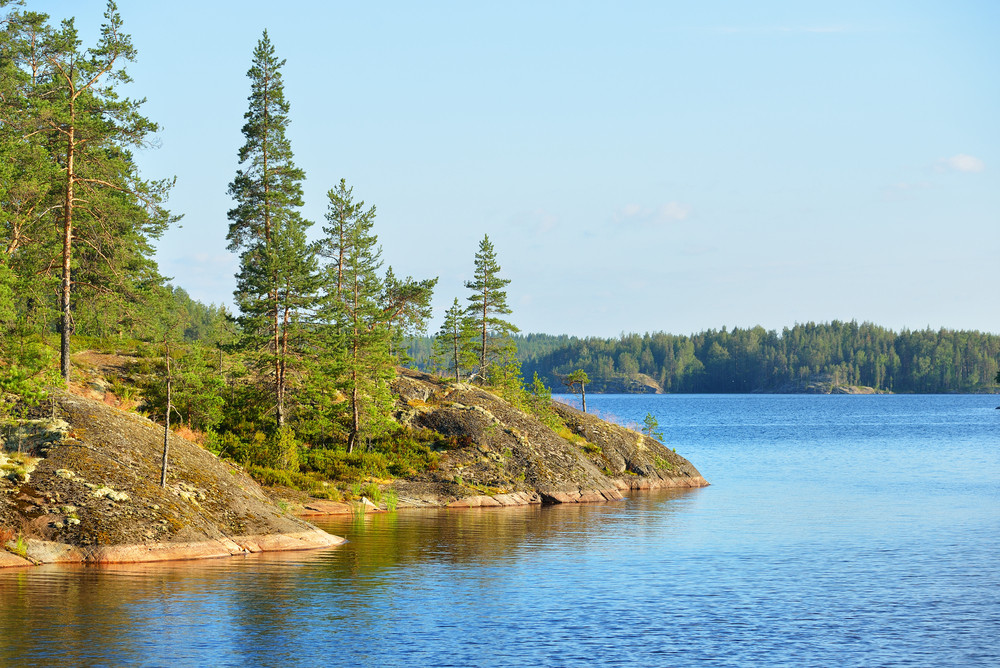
column 482, row 359
column 67, row 318
column 279, row 389
column 583, row 394
column 166, row 422
column 355, row 413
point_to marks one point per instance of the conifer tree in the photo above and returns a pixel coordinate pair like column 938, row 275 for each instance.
column 342, row 214
column 354, row 315
column 578, row 377
column 406, row 308
column 454, row 344
column 277, row 280
column 78, row 118
column 488, row 301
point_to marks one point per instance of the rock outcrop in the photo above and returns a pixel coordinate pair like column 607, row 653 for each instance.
column 85, row 488
column 505, row 456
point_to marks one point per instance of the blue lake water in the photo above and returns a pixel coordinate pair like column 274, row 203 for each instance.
column 838, row 531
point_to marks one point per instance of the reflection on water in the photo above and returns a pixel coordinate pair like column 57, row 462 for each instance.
column 833, row 542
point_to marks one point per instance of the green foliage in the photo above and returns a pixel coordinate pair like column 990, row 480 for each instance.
column 651, row 427
column 754, row 359
column 539, row 402
column 67, row 136
column 578, row 377
column 453, row 351
column 404, row 453
column 406, row 308
column 391, row 500
column 488, row 301
column 372, row 491
column 198, row 388
column 279, row 451
column 277, row 283
column 663, row 464
column 355, row 325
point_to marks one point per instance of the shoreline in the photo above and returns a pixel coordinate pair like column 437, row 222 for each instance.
column 41, row 552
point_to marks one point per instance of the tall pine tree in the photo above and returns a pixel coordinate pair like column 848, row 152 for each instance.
column 78, row 116
column 277, row 280
column 487, row 303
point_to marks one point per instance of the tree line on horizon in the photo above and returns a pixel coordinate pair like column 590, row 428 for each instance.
column 753, row 359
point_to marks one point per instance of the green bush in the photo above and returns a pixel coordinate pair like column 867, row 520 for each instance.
column 404, row 453
column 269, row 476
column 280, row 451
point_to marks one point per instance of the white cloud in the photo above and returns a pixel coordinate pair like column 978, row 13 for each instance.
column 673, row 211
column 964, row 163
column 665, row 213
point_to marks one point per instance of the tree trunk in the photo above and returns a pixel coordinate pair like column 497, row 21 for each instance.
column 482, row 359
column 355, row 412
column 67, row 318
column 583, row 394
column 166, row 423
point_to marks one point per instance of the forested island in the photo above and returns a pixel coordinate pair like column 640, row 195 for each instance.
column 804, row 358
column 137, row 423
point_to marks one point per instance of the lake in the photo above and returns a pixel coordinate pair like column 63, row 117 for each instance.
column 838, row 530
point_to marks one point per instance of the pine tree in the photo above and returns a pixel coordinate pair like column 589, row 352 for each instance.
column 67, row 109
column 406, row 308
column 105, row 201
column 342, row 214
column 356, row 335
column 455, row 342
column 578, row 377
column 488, row 301
column 277, row 281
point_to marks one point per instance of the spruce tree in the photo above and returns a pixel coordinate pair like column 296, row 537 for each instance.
column 487, row 302
column 277, row 280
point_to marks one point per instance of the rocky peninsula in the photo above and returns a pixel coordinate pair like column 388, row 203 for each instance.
column 79, row 482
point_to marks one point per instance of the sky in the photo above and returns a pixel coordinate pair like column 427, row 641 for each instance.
column 638, row 166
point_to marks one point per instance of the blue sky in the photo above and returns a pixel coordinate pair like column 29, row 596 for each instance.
column 639, row 166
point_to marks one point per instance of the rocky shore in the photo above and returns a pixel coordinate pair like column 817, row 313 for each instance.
column 85, row 488
column 506, row 456
column 81, row 482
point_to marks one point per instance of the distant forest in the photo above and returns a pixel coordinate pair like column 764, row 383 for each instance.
column 758, row 360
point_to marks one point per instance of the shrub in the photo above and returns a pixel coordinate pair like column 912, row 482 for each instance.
column 269, row 476
column 279, row 451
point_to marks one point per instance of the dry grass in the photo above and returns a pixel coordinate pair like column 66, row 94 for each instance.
column 189, row 434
